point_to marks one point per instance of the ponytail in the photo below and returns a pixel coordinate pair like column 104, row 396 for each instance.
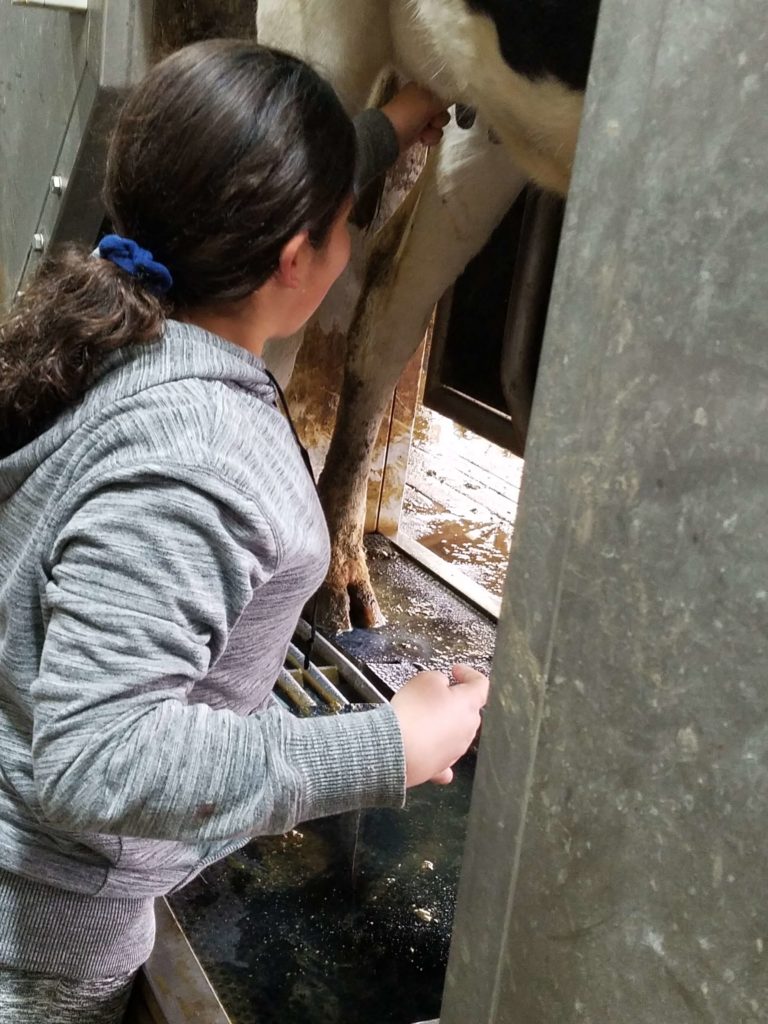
column 224, row 152
column 75, row 310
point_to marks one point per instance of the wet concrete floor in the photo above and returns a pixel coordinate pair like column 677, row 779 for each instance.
column 428, row 626
column 345, row 920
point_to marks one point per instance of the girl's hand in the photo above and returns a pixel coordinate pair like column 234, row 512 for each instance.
column 438, row 721
column 417, row 115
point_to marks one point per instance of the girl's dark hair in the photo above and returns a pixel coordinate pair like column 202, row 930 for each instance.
column 220, row 155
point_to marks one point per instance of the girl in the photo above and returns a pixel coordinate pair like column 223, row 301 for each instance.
column 159, row 533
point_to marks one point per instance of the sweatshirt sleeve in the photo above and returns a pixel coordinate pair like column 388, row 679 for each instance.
column 377, row 146
column 145, row 583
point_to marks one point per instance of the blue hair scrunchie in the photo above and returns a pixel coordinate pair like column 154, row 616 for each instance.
column 137, row 262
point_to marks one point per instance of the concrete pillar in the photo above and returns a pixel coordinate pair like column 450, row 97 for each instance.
column 616, row 868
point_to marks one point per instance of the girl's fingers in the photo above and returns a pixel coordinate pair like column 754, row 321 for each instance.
column 433, row 132
column 443, row 778
column 466, row 674
column 431, row 136
column 474, row 684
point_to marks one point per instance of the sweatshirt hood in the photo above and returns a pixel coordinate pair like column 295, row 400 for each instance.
column 183, row 351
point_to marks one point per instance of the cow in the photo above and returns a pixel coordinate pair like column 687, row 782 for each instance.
column 521, row 66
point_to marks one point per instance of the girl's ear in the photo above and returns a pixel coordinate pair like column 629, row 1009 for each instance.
column 293, row 259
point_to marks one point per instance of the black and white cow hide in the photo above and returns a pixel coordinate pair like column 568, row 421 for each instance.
column 522, row 66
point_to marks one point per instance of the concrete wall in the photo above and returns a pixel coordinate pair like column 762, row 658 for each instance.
column 616, row 865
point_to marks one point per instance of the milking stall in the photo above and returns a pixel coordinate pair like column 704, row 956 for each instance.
column 599, row 322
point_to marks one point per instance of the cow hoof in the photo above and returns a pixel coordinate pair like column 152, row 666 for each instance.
column 340, row 609
column 364, row 609
column 332, row 609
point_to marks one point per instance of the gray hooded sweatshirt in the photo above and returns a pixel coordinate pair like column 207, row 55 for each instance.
column 157, row 544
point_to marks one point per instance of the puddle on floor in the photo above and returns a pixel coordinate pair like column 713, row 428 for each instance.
column 461, row 498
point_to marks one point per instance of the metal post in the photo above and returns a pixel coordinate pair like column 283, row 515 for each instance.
column 615, row 867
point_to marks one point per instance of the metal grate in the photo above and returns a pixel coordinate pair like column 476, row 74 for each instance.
column 333, row 686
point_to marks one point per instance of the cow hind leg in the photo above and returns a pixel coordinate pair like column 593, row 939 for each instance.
column 468, row 186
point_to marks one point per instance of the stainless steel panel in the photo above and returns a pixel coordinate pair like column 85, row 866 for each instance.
column 42, row 66
column 61, row 77
column 173, row 987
